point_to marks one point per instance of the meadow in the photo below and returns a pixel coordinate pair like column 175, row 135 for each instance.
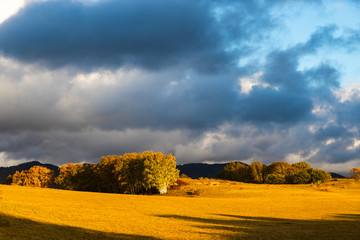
column 198, row 209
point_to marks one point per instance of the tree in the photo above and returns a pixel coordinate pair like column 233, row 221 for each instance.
column 317, row 176
column 355, row 173
column 37, row 176
column 159, row 171
column 257, row 172
column 275, row 178
column 110, row 172
column 133, row 173
column 301, row 166
column 278, row 167
column 69, row 176
column 301, row 177
column 8, row 180
column 235, row 171
column 275, row 173
column 278, row 173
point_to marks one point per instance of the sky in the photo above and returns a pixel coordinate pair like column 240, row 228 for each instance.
column 207, row 81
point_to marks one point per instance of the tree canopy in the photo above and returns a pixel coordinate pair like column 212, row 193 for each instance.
column 132, row 173
column 355, row 173
column 36, row 176
column 275, row 173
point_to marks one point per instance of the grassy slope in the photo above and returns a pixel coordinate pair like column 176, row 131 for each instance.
column 225, row 210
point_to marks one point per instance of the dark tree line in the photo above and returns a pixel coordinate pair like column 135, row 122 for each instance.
column 134, row 173
column 275, row 173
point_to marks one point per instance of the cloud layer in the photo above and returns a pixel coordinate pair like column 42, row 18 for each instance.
column 137, row 33
column 79, row 80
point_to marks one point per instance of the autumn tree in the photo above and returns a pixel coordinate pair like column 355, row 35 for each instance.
column 159, row 170
column 355, row 173
column 279, row 168
column 317, row 175
column 257, row 172
column 300, row 166
column 133, row 173
column 136, row 173
column 275, row 173
column 301, row 177
column 37, row 176
column 110, row 172
column 235, row 171
column 275, row 178
column 64, row 179
column 74, row 177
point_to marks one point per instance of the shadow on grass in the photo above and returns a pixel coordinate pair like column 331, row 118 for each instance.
column 339, row 227
column 19, row 228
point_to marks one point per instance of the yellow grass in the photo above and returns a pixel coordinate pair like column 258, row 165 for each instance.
column 224, row 210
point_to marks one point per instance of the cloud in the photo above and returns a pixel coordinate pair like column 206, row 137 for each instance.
column 88, row 145
column 268, row 104
column 110, row 77
column 151, row 35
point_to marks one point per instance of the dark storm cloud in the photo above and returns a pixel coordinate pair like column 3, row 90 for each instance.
column 163, row 75
column 338, row 152
column 89, row 145
column 198, row 103
column 166, row 100
column 349, row 113
column 332, row 131
column 270, row 105
column 206, row 101
column 149, row 34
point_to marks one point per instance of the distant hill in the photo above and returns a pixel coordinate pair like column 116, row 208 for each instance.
column 197, row 170
column 335, row 175
column 6, row 171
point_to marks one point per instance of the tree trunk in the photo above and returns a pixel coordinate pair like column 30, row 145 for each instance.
column 163, row 189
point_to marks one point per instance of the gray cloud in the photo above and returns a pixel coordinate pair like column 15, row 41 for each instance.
column 123, row 76
column 137, row 33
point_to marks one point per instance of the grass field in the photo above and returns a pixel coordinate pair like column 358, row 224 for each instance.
column 202, row 209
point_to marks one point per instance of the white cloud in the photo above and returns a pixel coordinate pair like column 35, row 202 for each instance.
column 297, row 157
column 9, row 8
column 355, row 145
column 247, row 83
column 349, row 92
column 330, row 141
column 5, row 161
column 341, row 168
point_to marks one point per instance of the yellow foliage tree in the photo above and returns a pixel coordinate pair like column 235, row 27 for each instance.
column 355, row 173
column 159, row 170
column 37, row 176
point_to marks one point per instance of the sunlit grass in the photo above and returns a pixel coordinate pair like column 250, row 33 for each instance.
column 218, row 210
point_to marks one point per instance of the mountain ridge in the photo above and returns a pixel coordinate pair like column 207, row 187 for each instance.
column 6, row 171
